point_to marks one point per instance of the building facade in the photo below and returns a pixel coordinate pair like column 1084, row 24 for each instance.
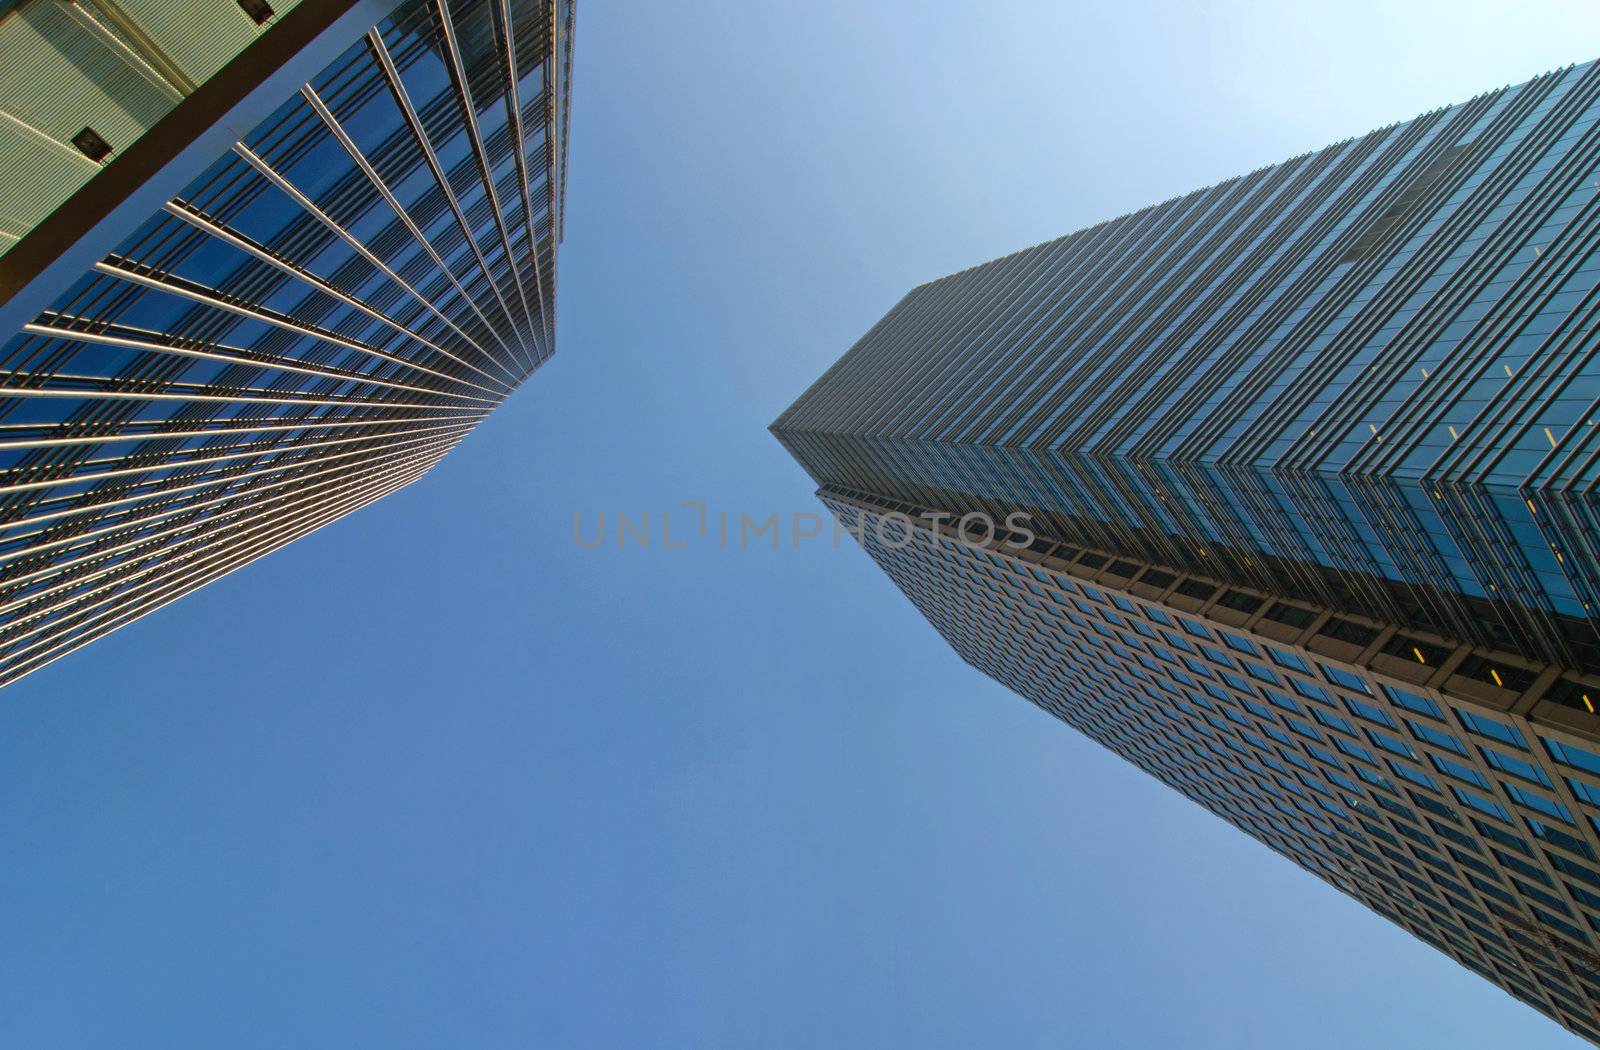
column 1301, row 475
column 1364, row 376
column 254, row 278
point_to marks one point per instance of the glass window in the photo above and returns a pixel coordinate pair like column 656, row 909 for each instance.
column 1240, row 602
column 1348, row 631
column 1157, row 615
column 1409, row 648
column 1391, row 744
column 1289, row 660
column 1437, row 738
column 1317, row 693
column 1537, row 802
column 1239, row 644
column 1333, row 721
column 1576, row 695
column 1492, row 729
column 1414, row 702
column 1354, row 750
column 1573, row 868
column 1370, row 713
column 1500, row 835
column 1566, row 840
column 1585, row 792
column 1481, row 804
column 1290, row 615
column 1198, row 590
column 1572, row 755
column 1459, row 771
column 1515, row 766
column 1504, row 676
column 1344, row 678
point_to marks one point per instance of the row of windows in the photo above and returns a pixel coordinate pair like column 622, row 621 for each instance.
column 1444, row 818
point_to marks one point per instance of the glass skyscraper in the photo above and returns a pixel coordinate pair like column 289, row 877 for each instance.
column 1301, row 478
column 261, row 263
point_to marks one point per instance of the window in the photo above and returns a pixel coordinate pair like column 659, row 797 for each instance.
column 1196, row 589
column 1505, row 838
column 91, row 145
column 1415, row 649
column 1289, row 660
column 1585, row 792
column 1492, row 729
column 1333, row 721
column 1413, row 775
column 1238, row 644
column 1303, row 729
column 1283, row 701
column 1573, row 868
column 1239, row 601
column 1548, row 807
column 1354, row 750
column 1391, row 744
column 1481, row 804
column 1317, row 693
column 1496, row 673
column 1413, row 702
column 1344, row 678
column 1560, row 925
column 1348, row 631
column 1436, row 737
column 1290, row 615
column 1157, row 615
column 1378, row 780
column 1561, row 838
column 1489, row 888
column 1572, row 755
column 1340, row 779
column 1260, row 673
column 1515, row 766
column 1576, row 695
column 1237, row 683
column 1585, row 897
column 1459, row 771
column 1370, row 713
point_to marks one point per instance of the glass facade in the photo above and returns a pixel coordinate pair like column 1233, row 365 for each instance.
column 1365, row 376
column 314, row 321
column 1297, row 479
column 1474, row 826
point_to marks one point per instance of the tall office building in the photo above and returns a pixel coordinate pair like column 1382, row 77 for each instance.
column 262, row 262
column 1306, row 468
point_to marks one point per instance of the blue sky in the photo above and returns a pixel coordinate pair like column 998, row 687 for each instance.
column 437, row 776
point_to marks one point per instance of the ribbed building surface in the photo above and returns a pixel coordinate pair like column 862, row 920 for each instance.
column 1303, row 472
column 320, row 315
column 1365, row 376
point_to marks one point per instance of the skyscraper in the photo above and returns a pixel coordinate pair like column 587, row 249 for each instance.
column 1301, row 472
column 261, row 263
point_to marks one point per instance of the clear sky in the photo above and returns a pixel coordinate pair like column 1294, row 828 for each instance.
column 438, row 777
